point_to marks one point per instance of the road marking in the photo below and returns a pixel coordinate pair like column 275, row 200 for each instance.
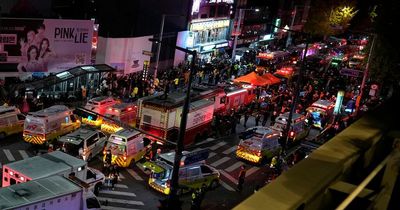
column 115, row 208
column 233, row 167
column 212, row 154
column 10, row 157
column 228, row 151
column 114, row 200
column 197, row 149
column 121, row 186
column 251, row 171
column 220, row 161
column 226, row 175
column 121, row 176
column 226, row 186
column 23, row 154
column 134, row 174
column 220, row 144
column 112, row 192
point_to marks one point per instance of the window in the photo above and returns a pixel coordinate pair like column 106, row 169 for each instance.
column 212, row 11
column 102, row 135
column 6, row 179
column 92, row 203
column 205, row 170
column 73, row 119
column 222, row 100
column 6, row 170
column 43, row 204
column 147, row 119
column 93, row 139
column 59, row 200
column 51, row 202
column 195, row 171
column 20, row 117
column 67, row 119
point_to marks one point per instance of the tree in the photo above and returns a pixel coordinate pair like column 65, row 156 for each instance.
column 385, row 61
column 328, row 17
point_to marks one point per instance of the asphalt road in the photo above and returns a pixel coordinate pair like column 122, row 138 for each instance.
column 132, row 191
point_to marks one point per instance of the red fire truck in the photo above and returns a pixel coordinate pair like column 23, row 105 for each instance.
column 161, row 117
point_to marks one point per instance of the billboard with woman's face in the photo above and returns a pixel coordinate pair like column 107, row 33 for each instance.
column 43, row 45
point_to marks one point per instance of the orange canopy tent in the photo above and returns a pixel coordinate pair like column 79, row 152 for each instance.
column 253, row 79
column 272, row 80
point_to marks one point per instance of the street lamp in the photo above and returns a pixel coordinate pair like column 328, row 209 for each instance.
column 237, row 30
column 172, row 202
column 160, row 40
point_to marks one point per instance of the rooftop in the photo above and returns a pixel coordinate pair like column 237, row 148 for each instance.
column 50, row 163
column 19, row 195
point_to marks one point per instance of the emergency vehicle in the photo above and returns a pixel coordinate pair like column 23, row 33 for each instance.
column 259, row 143
column 98, row 105
column 161, row 117
column 193, row 172
column 126, row 147
column 238, row 96
column 124, row 112
column 51, row 164
column 298, row 127
column 11, row 121
column 320, row 110
column 48, row 124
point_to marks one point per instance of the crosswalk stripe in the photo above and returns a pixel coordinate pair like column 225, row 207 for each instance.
column 212, row 154
column 197, row 149
column 134, row 174
column 23, row 154
column 226, row 186
column 220, row 144
column 115, row 208
column 252, row 170
column 123, row 201
column 233, row 167
column 112, row 192
column 226, row 175
column 220, row 161
column 228, row 151
column 8, row 154
column 121, row 186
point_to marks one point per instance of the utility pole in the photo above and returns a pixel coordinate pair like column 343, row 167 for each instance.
column 159, row 46
column 237, row 33
column 289, row 38
column 366, row 71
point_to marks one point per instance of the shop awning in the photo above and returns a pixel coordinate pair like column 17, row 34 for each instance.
column 253, row 79
column 272, row 80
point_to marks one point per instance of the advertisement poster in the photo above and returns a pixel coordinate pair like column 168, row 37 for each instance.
column 44, row 45
column 126, row 51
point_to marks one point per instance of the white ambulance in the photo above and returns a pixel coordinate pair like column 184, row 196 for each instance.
column 321, row 110
column 11, row 121
column 98, row 105
column 48, row 124
column 258, row 143
column 298, row 127
column 126, row 147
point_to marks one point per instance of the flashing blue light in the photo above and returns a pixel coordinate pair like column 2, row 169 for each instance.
column 90, row 117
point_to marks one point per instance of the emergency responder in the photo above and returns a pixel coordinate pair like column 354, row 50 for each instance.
column 242, row 176
column 107, row 162
column 196, row 199
column 50, row 149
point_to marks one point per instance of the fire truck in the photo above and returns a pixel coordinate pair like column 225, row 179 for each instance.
column 124, row 112
column 161, row 116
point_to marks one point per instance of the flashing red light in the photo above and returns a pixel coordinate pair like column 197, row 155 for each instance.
column 258, row 153
column 291, row 134
column 130, row 108
column 124, row 157
column 182, row 163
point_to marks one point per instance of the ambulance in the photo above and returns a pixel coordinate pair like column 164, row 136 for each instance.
column 193, row 172
column 259, row 143
column 98, row 105
column 320, row 110
column 124, row 112
column 11, row 121
column 126, row 147
column 298, row 127
column 48, row 124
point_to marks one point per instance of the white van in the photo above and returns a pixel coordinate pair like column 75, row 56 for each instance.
column 84, row 143
column 298, row 127
column 11, row 121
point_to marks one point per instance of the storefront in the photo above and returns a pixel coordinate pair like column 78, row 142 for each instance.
column 208, row 36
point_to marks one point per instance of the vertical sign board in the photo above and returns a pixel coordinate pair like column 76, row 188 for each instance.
column 145, row 70
column 338, row 104
column 30, row 46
